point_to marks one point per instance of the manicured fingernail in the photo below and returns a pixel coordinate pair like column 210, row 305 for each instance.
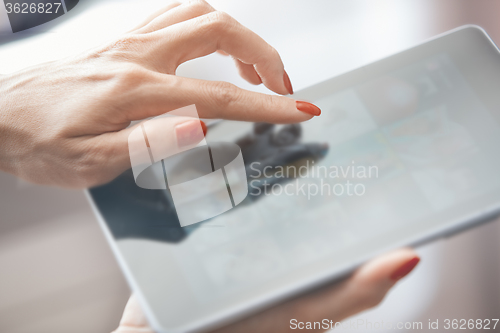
column 308, row 108
column 190, row 133
column 203, row 128
column 405, row 269
column 288, row 84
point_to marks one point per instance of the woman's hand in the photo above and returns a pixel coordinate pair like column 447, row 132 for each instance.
column 66, row 123
column 364, row 289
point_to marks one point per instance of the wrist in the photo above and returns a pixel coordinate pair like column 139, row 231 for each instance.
column 7, row 125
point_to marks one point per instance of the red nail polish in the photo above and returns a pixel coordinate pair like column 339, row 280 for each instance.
column 203, row 128
column 288, row 84
column 405, row 269
column 190, row 133
column 308, row 108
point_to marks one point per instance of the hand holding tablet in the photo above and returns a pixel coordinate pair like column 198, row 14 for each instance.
column 327, row 306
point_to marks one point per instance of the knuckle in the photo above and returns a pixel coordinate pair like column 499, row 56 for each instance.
column 200, row 6
column 272, row 102
column 133, row 75
column 224, row 93
column 91, row 166
column 219, row 21
column 129, row 78
column 273, row 54
column 269, row 56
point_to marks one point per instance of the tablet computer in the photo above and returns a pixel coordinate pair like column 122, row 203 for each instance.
column 405, row 151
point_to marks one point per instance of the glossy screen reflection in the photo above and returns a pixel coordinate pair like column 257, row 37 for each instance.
column 429, row 141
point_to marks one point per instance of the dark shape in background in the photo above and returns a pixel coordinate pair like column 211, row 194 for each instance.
column 70, row 4
column 25, row 19
column 272, row 148
column 134, row 212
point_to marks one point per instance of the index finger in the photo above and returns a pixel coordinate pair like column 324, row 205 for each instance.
column 162, row 93
column 215, row 31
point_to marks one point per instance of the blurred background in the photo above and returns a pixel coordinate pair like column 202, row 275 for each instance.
column 57, row 273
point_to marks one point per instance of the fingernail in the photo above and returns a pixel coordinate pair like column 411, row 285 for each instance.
column 308, row 108
column 203, row 128
column 288, row 84
column 405, row 269
column 190, row 133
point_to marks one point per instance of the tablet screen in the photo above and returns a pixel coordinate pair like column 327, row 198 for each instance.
column 400, row 148
column 388, row 159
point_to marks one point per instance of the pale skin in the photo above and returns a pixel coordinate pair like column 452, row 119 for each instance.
column 66, row 123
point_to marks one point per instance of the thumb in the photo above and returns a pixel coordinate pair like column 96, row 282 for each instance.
column 164, row 137
column 364, row 289
column 148, row 142
column 367, row 287
column 133, row 319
